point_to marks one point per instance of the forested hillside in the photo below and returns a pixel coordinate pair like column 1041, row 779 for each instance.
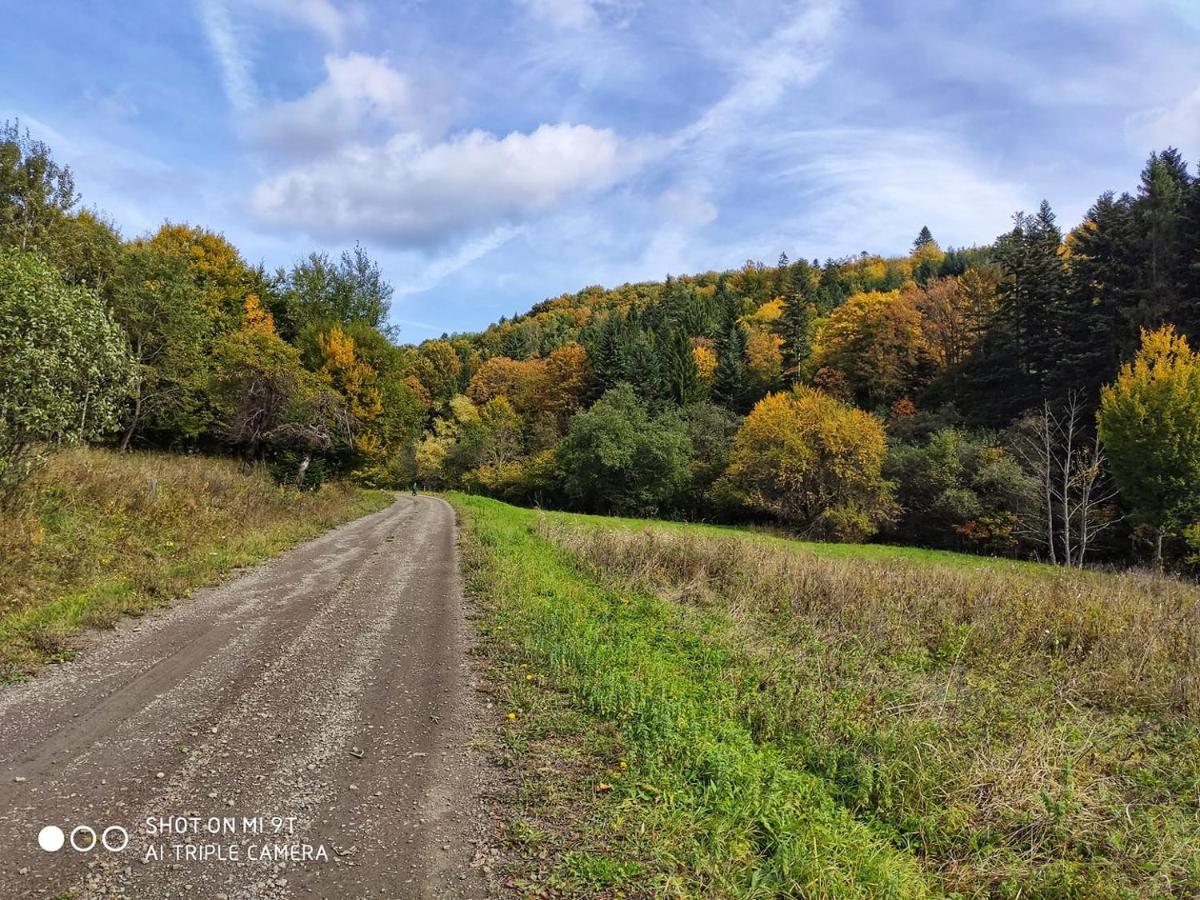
column 1036, row 396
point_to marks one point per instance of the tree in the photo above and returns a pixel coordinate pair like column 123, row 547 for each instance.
column 642, row 368
column 319, row 291
column 877, row 341
column 438, row 368
column 794, row 325
column 1068, row 466
column 85, row 248
column 1161, row 214
column 709, row 430
column 1149, row 422
column 682, row 373
column 64, row 366
column 217, row 270
column 1022, row 346
column 155, row 300
column 616, row 460
column 607, row 355
column 814, row 463
column 35, row 191
column 357, row 382
column 729, row 379
column 267, row 399
column 565, row 380
column 959, row 491
column 927, row 257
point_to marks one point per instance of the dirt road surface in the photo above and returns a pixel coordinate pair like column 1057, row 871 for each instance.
column 306, row 725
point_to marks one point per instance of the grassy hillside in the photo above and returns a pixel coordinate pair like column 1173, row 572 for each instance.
column 698, row 712
column 96, row 535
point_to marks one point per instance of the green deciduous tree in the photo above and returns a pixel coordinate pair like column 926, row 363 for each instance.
column 320, row 291
column 64, row 366
column 615, row 459
column 959, row 491
column 156, row 301
column 35, row 191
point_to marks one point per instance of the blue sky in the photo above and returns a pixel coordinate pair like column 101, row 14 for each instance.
column 491, row 154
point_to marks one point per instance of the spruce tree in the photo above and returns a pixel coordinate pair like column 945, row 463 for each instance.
column 641, row 367
column 1012, row 373
column 606, row 357
column 682, row 374
column 799, row 310
column 1161, row 208
column 729, row 380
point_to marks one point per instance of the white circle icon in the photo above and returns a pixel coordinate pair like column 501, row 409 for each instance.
column 83, row 829
column 114, row 829
column 51, row 838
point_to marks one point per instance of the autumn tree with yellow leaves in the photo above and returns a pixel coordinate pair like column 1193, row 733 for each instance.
column 1149, row 422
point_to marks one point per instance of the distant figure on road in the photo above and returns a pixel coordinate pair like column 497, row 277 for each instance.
column 414, row 489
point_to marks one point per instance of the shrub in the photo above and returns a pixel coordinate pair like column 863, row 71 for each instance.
column 958, row 491
column 614, row 459
column 64, row 365
column 813, row 462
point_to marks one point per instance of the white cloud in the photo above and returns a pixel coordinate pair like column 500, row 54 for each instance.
column 361, row 96
column 229, row 36
column 870, row 188
column 562, row 13
column 1174, row 125
column 321, row 16
column 408, row 194
column 792, row 56
column 444, row 266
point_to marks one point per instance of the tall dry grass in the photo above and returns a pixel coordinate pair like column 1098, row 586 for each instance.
column 1025, row 731
column 96, row 534
column 1110, row 640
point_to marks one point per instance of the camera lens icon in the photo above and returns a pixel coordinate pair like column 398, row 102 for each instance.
column 51, row 838
column 83, row 838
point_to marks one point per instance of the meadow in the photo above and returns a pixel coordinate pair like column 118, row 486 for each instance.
column 691, row 711
column 96, row 535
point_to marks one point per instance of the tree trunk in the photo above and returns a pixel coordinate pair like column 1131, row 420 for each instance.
column 1158, row 555
column 301, row 470
column 133, row 424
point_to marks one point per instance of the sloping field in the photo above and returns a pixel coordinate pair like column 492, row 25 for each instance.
column 695, row 711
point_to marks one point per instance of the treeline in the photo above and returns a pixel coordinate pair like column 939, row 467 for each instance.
column 951, row 398
column 172, row 340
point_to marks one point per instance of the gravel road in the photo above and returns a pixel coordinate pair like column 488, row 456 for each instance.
column 301, row 731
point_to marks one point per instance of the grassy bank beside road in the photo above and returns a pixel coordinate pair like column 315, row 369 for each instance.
column 693, row 712
column 96, row 535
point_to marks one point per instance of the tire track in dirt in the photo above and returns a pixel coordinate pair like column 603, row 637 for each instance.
column 331, row 685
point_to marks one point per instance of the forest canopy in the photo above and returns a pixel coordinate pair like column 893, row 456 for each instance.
column 1033, row 396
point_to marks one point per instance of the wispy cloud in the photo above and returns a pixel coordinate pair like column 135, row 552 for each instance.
column 441, row 267
column 228, row 45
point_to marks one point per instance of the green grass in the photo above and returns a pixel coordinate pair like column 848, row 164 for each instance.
column 705, row 712
column 96, row 535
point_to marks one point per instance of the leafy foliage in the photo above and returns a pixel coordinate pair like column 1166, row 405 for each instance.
column 64, row 366
column 813, row 462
